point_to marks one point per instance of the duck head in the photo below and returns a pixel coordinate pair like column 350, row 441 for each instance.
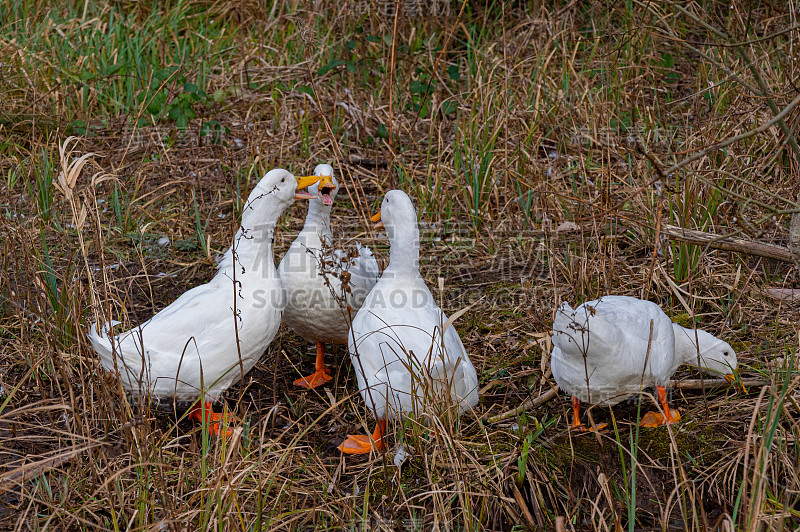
column 399, row 217
column 325, row 189
column 273, row 195
column 716, row 356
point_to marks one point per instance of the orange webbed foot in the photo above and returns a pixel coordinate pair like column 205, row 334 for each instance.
column 583, row 428
column 656, row 419
column 360, row 444
column 318, row 378
column 576, row 418
column 214, row 420
column 363, row 444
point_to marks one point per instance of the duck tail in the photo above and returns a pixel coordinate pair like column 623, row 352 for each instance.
column 101, row 342
column 466, row 388
column 462, row 380
column 364, row 270
column 363, row 250
column 367, row 259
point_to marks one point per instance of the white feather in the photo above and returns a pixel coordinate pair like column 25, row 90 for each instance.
column 214, row 333
column 600, row 350
column 318, row 308
column 402, row 360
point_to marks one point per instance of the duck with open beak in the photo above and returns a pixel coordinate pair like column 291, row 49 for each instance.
column 305, row 181
column 325, row 190
column 324, row 286
column 377, row 218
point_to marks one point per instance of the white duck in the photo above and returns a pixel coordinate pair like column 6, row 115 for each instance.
column 600, row 353
column 214, row 333
column 402, row 360
column 318, row 307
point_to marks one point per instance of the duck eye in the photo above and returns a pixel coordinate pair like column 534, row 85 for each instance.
column 282, row 180
column 724, row 353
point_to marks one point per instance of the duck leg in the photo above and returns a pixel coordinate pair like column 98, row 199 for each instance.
column 576, row 413
column 656, row 419
column 213, row 419
column 363, row 444
column 321, row 375
column 576, row 417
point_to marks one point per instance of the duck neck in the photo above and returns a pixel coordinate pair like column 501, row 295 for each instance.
column 685, row 346
column 318, row 220
column 253, row 248
column 404, row 251
column 252, row 245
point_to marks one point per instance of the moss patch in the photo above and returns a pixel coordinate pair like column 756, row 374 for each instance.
column 696, row 443
column 683, row 319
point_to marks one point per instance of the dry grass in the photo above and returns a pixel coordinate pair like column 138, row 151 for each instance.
column 537, row 141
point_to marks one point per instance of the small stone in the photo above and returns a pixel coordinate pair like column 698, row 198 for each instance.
column 400, row 456
column 567, row 226
column 163, row 241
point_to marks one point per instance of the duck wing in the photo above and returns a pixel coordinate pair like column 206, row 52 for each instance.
column 397, row 349
column 363, row 274
column 458, row 370
column 607, row 342
column 180, row 341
